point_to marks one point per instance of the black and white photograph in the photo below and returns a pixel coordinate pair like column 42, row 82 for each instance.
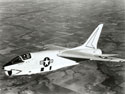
column 62, row 46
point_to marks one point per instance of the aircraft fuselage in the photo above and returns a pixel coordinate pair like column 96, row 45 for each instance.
column 37, row 62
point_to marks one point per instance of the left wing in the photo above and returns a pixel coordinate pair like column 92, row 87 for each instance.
column 54, row 47
column 71, row 54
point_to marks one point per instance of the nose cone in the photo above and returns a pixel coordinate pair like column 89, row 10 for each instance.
column 6, row 65
column 3, row 67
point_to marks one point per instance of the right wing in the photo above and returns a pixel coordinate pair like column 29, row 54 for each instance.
column 75, row 55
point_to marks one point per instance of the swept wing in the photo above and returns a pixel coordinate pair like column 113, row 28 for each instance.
column 72, row 54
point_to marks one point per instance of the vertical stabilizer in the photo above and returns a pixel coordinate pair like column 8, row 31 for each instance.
column 92, row 41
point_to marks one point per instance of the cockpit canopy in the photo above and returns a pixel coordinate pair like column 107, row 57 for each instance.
column 26, row 56
column 19, row 59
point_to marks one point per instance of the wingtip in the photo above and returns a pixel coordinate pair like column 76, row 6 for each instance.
column 101, row 25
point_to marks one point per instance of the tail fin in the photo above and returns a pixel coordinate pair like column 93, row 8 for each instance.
column 93, row 39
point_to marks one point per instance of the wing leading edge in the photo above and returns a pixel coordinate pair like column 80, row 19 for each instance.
column 54, row 47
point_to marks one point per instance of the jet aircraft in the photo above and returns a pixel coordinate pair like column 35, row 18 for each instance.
column 58, row 57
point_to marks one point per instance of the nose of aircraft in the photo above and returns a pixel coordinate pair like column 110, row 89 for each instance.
column 7, row 72
column 7, row 64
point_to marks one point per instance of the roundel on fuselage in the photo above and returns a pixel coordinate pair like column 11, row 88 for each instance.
column 46, row 62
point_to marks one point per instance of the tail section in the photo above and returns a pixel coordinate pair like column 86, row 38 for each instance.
column 93, row 39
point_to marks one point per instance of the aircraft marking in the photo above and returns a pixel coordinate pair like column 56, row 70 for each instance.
column 46, row 61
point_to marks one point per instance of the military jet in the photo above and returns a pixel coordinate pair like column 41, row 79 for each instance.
column 58, row 57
